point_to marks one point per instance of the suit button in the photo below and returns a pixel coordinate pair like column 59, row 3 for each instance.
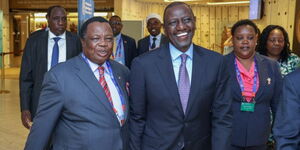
column 179, row 144
column 186, row 125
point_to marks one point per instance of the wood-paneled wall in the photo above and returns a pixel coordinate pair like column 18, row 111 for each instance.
column 212, row 19
column 100, row 5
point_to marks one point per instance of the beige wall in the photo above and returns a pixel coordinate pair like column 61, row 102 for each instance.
column 279, row 12
column 212, row 19
column 5, row 32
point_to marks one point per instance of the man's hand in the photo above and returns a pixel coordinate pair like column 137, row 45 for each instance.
column 26, row 119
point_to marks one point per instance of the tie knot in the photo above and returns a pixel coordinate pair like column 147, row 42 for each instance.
column 154, row 39
column 101, row 70
column 183, row 57
column 56, row 39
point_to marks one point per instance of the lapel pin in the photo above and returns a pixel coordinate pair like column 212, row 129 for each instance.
column 119, row 78
column 269, row 81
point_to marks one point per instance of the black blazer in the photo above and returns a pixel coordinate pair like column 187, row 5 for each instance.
column 157, row 120
column 144, row 43
column 253, row 128
column 34, row 66
column 129, row 49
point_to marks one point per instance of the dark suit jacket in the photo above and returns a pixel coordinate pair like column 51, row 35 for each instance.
column 129, row 49
column 253, row 128
column 74, row 109
column 157, row 120
column 287, row 121
column 34, row 66
column 144, row 43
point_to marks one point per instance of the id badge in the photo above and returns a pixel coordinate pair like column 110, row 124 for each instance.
column 249, row 107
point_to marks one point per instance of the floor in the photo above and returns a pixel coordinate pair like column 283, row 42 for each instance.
column 12, row 132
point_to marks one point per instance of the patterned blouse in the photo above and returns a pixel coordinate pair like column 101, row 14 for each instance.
column 293, row 62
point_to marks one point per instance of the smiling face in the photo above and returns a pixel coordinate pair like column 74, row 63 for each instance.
column 179, row 26
column 154, row 26
column 98, row 42
column 244, row 41
column 275, row 43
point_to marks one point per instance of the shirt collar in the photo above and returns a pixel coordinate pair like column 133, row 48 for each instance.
column 118, row 36
column 52, row 35
column 93, row 65
column 175, row 53
column 157, row 37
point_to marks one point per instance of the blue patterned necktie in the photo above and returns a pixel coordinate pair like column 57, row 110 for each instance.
column 183, row 83
column 55, row 52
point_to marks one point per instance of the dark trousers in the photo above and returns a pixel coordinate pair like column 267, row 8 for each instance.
column 261, row 147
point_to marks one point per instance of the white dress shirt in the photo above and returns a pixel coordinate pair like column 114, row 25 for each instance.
column 62, row 52
column 176, row 61
column 157, row 41
column 116, row 97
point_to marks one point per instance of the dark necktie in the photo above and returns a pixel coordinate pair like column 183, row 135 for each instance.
column 55, row 52
column 153, row 43
column 183, row 83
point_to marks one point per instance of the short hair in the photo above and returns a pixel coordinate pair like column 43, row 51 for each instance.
column 49, row 10
column 244, row 23
column 176, row 4
column 262, row 42
column 89, row 21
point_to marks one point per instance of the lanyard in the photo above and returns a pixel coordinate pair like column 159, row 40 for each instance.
column 118, row 49
column 238, row 73
column 120, row 117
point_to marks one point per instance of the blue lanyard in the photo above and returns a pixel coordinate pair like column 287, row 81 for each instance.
column 118, row 49
column 238, row 73
column 114, row 81
column 116, row 84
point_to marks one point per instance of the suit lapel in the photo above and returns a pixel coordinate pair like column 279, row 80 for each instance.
column 165, row 67
column 263, row 75
column 235, row 85
column 118, row 77
column 198, row 71
column 44, row 51
column 87, row 77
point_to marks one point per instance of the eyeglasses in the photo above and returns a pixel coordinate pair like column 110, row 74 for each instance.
column 115, row 23
column 276, row 40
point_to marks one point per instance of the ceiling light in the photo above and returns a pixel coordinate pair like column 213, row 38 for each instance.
column 227, row 3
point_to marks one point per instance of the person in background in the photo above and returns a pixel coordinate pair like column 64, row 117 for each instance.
column 43, row 50
column 84, row 102
column 255, row 84
column 124, row 46
column 274, row 43
column 227, row 44
column 179, row 99
column 156, row 38
column 287, row 121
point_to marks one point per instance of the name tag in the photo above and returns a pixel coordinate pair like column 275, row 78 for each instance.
column 248, row 107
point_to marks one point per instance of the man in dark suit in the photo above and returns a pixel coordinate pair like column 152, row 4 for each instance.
column 38, row 58
column 83, row 103
column 286, row 128
column 156, row 38
column 168, row 111
column 124, row 46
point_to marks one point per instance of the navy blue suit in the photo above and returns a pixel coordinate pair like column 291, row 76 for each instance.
column 253, row 128
column 157, row 120
column 287, row 122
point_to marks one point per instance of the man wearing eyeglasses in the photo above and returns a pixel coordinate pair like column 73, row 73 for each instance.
column 124, row 49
